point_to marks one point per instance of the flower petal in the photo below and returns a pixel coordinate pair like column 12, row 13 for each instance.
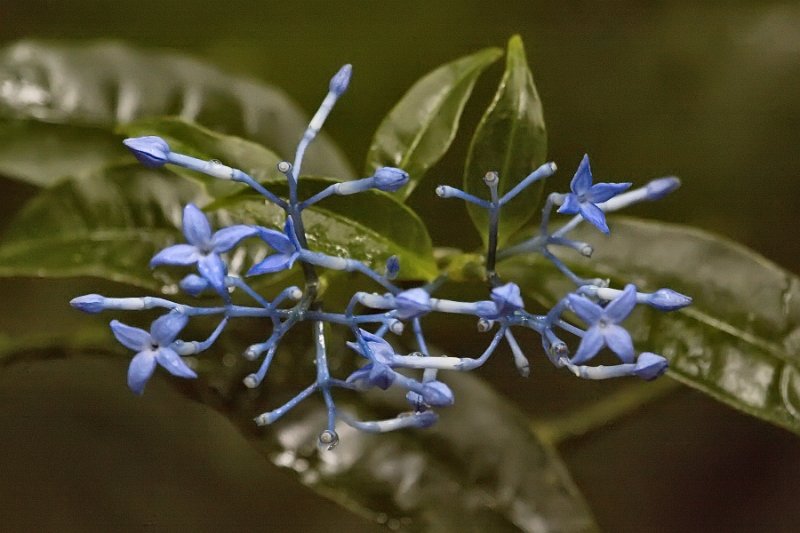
column 227, row 238
column 594, row 216
column 412, row 303
column 587, row 310
column 273, row 263
column 620, row 307
column 619, row 340
column 165, row 328
column 134, row 338
column 591, row 343
column 169, row 359
column 277, row 240
column 583, row 177
column 179, row 254
column 571, row 205
column 600, row 192
column 507, row 298
column 213, row 269
column 140, row 370
column 195, row 226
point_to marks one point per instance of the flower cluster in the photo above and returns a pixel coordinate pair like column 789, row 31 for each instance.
column 600, row 308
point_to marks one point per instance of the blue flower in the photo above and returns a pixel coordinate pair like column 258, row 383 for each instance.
column 506, row 299
column 152, row 348
column 378, row 372
column 204, row 247
column 584, row 196
column 285, row 243
column 603, row 326
column 151, row 151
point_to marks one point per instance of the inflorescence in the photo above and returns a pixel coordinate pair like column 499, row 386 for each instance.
column 602, row 309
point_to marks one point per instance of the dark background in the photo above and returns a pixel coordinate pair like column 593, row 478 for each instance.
column 706, row 91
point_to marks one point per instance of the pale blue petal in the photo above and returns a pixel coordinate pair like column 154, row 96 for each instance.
column 571, row 205
column 587, row 310
column 591, row 343
column 507, row 298
column 195, row 226
column 620, row 307
column 165, row 328
column 412, row 303
column 273, row 263
column 213, row 269
column 173, row 363
column 600, row 192
column 134, row 338
column 179, row 254
column 277, row 241
column 594, row 216
column 583, row 177
column 140, row 370
column 619, row 340
column 227, row 238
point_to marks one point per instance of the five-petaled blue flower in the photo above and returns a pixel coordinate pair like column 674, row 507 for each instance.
column 154, row 347
column 204, row 247
column 584, row 196
column 285, row 243
column 603, row 325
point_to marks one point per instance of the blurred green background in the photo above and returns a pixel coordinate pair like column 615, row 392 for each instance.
column 705, row 91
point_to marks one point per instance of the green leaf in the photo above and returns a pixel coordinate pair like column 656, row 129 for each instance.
column 419, row 129
column 511, row 140
column 108, row 225
column 58, row 88
column 40, row 154
column 368, row 226
column 740, row 339
column 479, row 468
column 194, row 140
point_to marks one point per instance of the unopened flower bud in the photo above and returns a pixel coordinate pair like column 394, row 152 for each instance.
column 89, row 303
column 341, row 80
column 193, row 284
column 668, row 300
column 659, row 188
column 151, row 151
column 390, row 179
column 649, row 366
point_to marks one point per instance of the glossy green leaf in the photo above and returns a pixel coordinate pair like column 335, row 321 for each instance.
column 478, row 469
column 107, row 225
column 194, row 140
column 40, row 153
column 739, row 341
column 511, row 140
column 368, row 226
column 419, row 129
column 99, row 85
